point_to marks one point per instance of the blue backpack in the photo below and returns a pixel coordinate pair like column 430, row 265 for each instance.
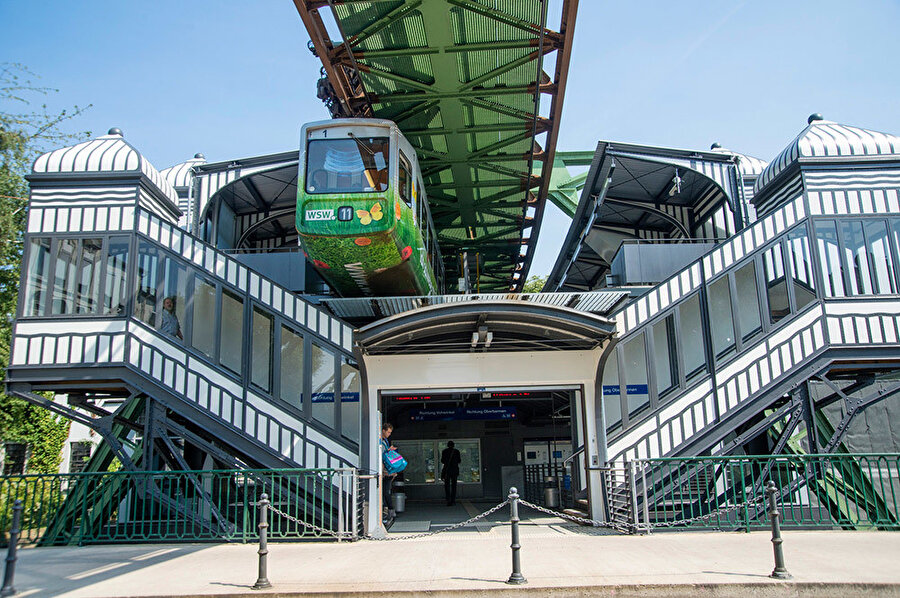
column 393, row 462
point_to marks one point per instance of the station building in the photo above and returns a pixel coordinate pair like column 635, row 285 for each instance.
column 703, row 303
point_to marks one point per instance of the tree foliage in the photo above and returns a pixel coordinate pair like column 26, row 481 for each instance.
column 534, row 284
column 27, row 128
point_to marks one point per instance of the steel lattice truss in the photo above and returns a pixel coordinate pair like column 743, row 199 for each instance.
column 464, row 80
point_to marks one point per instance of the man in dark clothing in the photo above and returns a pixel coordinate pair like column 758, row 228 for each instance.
column 450, row 459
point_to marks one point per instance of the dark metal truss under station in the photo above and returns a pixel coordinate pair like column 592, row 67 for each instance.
column 464, row 80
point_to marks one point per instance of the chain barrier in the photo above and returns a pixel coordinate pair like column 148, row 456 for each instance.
column 341, row 535
column 627, row 528
column 619, row 527
column 708, row 516
column 316, row 528
column 446, row 529
column 576, row 519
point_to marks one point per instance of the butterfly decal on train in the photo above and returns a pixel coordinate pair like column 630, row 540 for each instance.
column 367, row 216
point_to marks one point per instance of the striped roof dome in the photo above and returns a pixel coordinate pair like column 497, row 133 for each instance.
column 107, row 153
column 826, row 139
column 748, row 165
column 180, row 174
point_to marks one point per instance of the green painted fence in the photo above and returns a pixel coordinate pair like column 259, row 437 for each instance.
column 835, row 491
column 180, row 506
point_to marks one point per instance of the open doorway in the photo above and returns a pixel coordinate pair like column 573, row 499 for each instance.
column 505, row 437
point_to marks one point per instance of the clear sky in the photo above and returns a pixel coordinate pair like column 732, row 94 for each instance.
column 235, row 79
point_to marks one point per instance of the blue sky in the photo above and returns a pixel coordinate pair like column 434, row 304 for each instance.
column 234, row 79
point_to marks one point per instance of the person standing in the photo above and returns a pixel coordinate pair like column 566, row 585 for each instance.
column 450, row 459
column 168, row 323
column 387, row 479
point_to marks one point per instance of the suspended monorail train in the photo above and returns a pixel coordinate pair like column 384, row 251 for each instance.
column 362, row 213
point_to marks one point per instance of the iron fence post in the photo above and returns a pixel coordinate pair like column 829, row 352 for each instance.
column 262, row 581
column 632, row 491
column 14, row 530
column 645, row 496
column 516, row 577
column 355, row 504
column 779, row 572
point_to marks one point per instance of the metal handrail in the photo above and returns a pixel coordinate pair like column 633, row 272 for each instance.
column 573, row 455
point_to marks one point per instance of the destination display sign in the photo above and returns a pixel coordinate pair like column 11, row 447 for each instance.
column 463, row 413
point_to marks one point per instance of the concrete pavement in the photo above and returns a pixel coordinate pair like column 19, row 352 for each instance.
column 557, row 560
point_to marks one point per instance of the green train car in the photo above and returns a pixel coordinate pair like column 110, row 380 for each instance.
column 362, row 212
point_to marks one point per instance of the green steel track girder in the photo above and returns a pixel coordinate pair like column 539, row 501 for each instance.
column 463, row 79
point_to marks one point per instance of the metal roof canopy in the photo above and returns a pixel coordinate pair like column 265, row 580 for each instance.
column 630, row 193
column 485, row 326
column 364, row 310
column 463, row 80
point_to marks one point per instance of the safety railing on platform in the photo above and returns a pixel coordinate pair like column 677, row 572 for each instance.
column 850, row 491
column 180, row 506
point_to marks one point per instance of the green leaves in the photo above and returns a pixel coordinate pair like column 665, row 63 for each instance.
column 25, row 133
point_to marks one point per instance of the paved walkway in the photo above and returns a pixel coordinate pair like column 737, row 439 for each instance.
column 557, row 560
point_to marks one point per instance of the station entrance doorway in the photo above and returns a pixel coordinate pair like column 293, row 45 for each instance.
column 463, row 357
column 505, row 437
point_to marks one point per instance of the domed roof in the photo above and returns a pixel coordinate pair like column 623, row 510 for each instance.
column 748, row 165
column 107, row 153
column 180, row 174
column 826, row 139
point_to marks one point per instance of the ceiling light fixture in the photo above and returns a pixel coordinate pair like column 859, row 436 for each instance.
column 676, row 185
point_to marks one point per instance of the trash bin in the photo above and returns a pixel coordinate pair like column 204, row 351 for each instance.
column 399, row 497
column 551, row 492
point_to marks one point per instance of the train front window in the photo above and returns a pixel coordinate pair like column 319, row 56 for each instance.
column 354, row 165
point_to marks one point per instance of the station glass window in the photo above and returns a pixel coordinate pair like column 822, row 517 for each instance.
column 38, row 278
column 291, row 375
column 745, row 286
column 855, row 257
column 145, row 299
column 664, row 360
column 424, row 460
column 470, row 462
column 203, row 320
column 232, row 334
column 830, row 258
column 66, row 277
column 174, row 287
column 612, row 392
column 721, row 319
column 350, row 403
column 67, row 253
column 88, row 299
column 323, row 384
column 634, row 360
column 895, row 233
column 801, row 268
column 115, row 287
column 776, row 284
column 421, row 462
column 691, row 337
column 261, row 350
column 880, row 256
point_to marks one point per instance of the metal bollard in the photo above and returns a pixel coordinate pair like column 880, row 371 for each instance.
column 516, row 577
column 14, row 530
column 262, row 581
column 779, row 572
